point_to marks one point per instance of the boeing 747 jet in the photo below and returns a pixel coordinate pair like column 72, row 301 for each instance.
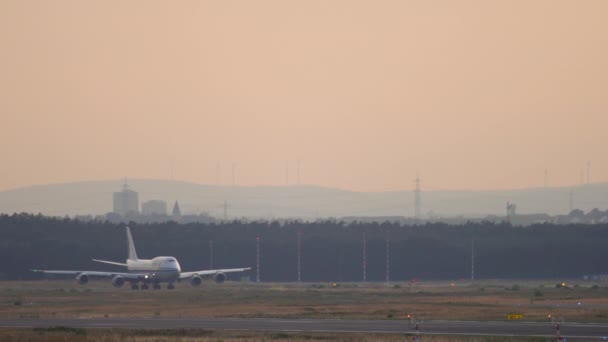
column 148, row 272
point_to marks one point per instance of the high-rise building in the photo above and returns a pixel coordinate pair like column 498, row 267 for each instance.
column 126, row 201
column 154, row 207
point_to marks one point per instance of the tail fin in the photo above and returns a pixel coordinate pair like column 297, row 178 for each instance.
column 132, row 252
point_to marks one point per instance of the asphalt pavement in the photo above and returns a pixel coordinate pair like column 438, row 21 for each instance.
column 579, row 331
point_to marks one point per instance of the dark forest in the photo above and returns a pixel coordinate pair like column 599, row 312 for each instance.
column 330, row 250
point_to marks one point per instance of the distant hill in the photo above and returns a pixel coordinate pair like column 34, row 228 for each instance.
column 95, row 197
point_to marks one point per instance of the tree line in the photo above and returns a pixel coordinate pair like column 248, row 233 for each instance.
column 330, row 250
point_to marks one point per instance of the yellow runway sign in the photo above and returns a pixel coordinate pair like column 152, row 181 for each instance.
column 515, row 316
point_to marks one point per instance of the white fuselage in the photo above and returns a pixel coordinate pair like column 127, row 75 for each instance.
column 159, row 269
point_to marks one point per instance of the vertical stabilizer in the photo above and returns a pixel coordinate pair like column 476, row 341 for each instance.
column 132, row 252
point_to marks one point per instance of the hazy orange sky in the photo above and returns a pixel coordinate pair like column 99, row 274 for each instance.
column 365, row 94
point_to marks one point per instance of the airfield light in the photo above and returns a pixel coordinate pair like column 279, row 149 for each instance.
column 563, row 284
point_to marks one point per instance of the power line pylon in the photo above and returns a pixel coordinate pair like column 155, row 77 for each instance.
column 225, row 209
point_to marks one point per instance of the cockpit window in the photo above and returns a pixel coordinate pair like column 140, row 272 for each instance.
column 171, row 260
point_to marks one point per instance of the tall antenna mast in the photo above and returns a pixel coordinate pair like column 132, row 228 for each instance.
column 417, row 198
column 257, row 259
column 364, row 257
column 225, row 206
column 299, row 255
column 388, row 270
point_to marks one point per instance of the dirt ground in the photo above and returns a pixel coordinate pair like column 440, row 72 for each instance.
column 483, row 300
column 61, row 334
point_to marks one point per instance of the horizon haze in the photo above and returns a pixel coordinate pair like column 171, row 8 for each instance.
column 362, row 95
column 306, row 202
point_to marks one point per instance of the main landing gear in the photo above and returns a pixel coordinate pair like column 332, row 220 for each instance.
column 155, row 286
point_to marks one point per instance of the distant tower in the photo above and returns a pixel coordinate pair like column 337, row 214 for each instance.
column 176, row 211
column 511, row 210
column 417, row 198
column 125, row 201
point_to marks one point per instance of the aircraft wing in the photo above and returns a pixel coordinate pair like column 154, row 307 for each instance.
column 111, row 262
column 184, row 275
column 133, row 276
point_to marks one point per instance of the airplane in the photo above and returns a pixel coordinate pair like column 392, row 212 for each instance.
column 162, row 269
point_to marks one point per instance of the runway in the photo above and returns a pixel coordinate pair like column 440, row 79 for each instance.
column 584, row 331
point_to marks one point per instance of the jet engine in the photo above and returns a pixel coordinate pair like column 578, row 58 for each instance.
column 82, row 278
column 196, row 280
column 219, row 277
column 118, row 281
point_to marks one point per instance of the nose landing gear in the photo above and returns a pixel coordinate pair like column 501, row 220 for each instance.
column 170, row 286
